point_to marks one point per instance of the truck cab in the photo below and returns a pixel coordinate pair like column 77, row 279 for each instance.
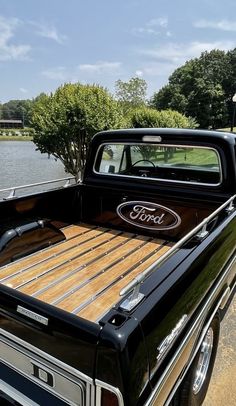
column 112, row 288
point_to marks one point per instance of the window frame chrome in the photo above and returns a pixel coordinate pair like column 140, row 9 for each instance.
column 213, row 185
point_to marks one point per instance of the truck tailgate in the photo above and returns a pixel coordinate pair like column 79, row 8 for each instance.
column 46, row 347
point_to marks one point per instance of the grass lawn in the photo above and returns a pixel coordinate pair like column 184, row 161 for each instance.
column 184, row 157
column 194, row 156
column 147, row 155
column 15, row 138
column 16, row 134
column 227, row 129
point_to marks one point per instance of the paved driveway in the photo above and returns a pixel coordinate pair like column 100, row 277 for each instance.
column 222, row 389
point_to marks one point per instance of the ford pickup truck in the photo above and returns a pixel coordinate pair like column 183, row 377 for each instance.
column 112, row 289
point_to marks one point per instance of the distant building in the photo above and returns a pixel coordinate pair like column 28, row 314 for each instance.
column 11, row 124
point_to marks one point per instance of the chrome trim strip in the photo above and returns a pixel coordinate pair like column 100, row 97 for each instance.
column 160, row 179
column 15, row 395
column 32, row 315
column 166, row 343
column 225, row 297
column 140, row 278
column 58, row 265
column 100, row 384
column 36, row 184
column 118, row 278
column 188, row 336
column 41, row 251
column 90, row 400
column 152, row 138
column 117, row 261
column 56, row 281
column 98, row 395
column 29, row 347
column 204, row 331
column 144, row 259
column 218, row 306
column 88, row 280
column 233, row 287
column 35, row 264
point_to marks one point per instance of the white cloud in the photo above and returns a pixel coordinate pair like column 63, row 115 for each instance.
column 8, row 50
column 158, row 22
column 165, row 59
column 23, row 90
column 155, row 26
column 49, row 31
column 73, row 75
column 224, row 25
column 178, row 53
column 58, row 73
column 144, row 30
column 100, row 67
column 159, row 69
column 139, row 73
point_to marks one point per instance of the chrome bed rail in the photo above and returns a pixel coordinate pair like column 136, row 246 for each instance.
column 13, row 189
column 200, row 232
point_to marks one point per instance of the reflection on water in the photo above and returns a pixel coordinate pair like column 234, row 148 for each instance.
column 21, row 164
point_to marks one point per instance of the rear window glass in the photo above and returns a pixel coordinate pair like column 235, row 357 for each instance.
column 163, row 162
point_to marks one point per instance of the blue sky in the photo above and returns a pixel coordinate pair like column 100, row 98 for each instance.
column 44, row 44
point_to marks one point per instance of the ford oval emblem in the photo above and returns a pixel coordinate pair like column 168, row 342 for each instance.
column 151, row 216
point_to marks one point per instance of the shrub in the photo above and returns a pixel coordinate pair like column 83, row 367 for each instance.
column 146, row 117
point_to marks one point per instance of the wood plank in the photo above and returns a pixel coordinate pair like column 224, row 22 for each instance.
column 57, row 276
column 47, row 254
column 34, row 258
column 75, row 229
column 85, row 273
column 53, row 261
column 93, row 287
column 70, row 283
column 102, row 304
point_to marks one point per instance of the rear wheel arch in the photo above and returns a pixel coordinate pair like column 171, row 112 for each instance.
column 193, row 389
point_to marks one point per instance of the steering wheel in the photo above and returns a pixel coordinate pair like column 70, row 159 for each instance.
column 143, row 160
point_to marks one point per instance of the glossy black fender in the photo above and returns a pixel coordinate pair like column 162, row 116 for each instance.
column 195, row 282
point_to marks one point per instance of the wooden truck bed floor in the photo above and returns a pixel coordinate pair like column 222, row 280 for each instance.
column 85, row 273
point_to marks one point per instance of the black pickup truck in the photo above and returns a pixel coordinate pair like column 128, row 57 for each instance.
column 112, row 289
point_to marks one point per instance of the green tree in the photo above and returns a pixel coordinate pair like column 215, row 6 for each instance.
column 229, row 83
column 146, row 117
column 64, row 122
column 201, row 88
column 131, row 94
column 170, row 97
column 17, row 110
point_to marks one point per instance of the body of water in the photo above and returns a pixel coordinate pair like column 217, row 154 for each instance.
column 21, row 164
